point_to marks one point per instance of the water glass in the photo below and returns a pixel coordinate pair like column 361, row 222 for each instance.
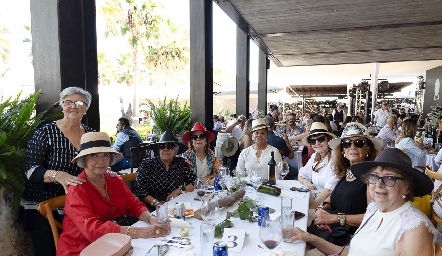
column 207, row 234
column 286, row 204
column 162, row 214
column 287, row 224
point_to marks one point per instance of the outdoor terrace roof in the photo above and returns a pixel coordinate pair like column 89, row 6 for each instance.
column 329, row 32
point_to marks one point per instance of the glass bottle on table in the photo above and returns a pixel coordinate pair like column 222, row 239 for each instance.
column 271, row 168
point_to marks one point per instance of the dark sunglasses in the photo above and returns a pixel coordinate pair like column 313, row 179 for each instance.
column 389, row 181
column 195, row 137
column 313, row 141
column 168, row 145
column 357, row 143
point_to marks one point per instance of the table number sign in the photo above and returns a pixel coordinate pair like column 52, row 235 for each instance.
column 234, row 238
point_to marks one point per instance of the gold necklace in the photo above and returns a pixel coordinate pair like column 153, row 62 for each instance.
column 201, row 158
column 104, row 192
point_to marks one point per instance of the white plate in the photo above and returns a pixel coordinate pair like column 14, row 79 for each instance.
column 172, row 211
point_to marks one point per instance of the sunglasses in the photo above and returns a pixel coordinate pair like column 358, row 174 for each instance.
column 195, row 137
column 78, row 103
column 389, row 181
column 357, row 143
column 313, row 141
column 167, row 145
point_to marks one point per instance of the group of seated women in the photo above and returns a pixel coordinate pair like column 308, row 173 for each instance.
column 67, row 157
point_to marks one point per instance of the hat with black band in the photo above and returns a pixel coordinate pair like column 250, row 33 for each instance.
column 95, row 142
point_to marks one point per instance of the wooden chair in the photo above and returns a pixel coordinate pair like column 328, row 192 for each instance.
column 46, row 207
column 435, row 194
column 143, row 150
column 437, row 249
column 130, row 180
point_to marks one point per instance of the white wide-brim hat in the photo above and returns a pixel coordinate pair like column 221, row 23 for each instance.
column 95, row 142
column 318, row 128
column 355, row 129
column 258, row 124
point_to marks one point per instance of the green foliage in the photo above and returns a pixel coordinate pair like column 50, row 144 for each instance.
column 169, row 115
column 18, row 123
column 435, row 116
column 226, row 113
column 246, row 208
column 142, row 130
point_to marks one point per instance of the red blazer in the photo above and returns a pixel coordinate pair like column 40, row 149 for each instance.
column 89, row 214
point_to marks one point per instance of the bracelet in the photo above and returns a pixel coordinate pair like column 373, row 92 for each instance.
column 127, row 230
column 54, row 174
column 136, row 229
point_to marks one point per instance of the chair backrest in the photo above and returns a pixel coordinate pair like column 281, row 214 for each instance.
column 46, row 207
column 130, row 180
column 142, row 151
column 437, row 249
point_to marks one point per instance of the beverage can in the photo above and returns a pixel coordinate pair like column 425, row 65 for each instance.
column 216, row 185
column 220, row 249
column 263, row 212
column 180, row 210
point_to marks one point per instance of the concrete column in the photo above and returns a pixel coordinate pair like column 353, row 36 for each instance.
column 64, row 48
column 242, row 72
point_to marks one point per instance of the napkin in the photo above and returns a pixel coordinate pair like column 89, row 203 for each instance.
column 179, row 252
column 179, row 223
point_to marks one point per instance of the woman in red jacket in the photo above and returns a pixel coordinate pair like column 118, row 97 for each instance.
column 91, row 207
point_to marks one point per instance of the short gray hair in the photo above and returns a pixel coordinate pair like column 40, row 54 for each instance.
column 76, row 90
column 81, row 161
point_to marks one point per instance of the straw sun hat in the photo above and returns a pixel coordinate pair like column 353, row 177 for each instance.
column 95, row 142
column 354, row 129
column 318, row 128
column 258, row 124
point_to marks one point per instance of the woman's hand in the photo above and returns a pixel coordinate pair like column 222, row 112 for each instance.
column 157, row 230
column 324, row 217
column 65, row 179
column 173, row 194
column 299, row 234
column 111, row 173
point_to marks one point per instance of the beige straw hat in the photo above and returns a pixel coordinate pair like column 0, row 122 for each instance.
column 95, row 142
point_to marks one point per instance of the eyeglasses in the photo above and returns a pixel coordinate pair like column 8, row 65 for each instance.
column 78, row 103
column 357, row 143
column 313, row 141
column 167, row 145
column 195, row 137
column 389, row 181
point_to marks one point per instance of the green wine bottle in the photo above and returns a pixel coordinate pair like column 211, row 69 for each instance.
column 269, row 189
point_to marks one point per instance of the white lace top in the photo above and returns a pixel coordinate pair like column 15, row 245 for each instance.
column 384, row 230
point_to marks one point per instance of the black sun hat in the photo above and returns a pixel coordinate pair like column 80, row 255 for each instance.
column 394, row 157
column 169, row 137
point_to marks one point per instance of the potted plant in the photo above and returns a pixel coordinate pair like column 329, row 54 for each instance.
column 18, row 123
column 170, row 115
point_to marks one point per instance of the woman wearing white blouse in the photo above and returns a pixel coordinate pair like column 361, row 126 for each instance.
column 317, row 174
column 257, row 156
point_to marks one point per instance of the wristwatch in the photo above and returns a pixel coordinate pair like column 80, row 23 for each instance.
column 341, row 219
column 183, row 189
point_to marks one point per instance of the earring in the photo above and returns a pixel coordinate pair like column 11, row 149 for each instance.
column 343, row 153
column 366, row 155
column 403, row 196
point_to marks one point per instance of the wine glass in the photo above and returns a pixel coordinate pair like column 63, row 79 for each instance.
column 210, row 210
column 270, row 233
column 256, row 181
column 200, row 188
column 282, row 169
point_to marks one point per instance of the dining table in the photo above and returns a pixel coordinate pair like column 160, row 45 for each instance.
column 252, row 239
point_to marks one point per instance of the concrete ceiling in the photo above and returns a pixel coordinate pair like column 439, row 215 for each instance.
column 331, row 32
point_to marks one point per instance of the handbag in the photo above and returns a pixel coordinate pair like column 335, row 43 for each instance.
column 339, row 235
column 111, row 244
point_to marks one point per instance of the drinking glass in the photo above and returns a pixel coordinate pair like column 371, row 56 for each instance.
column 210, row 210
column 162, row 213
column 287, row 223
column 256, row 181
column 207, row 234
column 286, row 204
column 282, row 169
column 270, row 233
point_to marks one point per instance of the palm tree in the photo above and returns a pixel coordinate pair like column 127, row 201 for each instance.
column 137, row 21
column 4, row 48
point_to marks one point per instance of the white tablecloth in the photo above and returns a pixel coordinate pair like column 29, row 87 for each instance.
column 429, row 160
column 300, row 203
